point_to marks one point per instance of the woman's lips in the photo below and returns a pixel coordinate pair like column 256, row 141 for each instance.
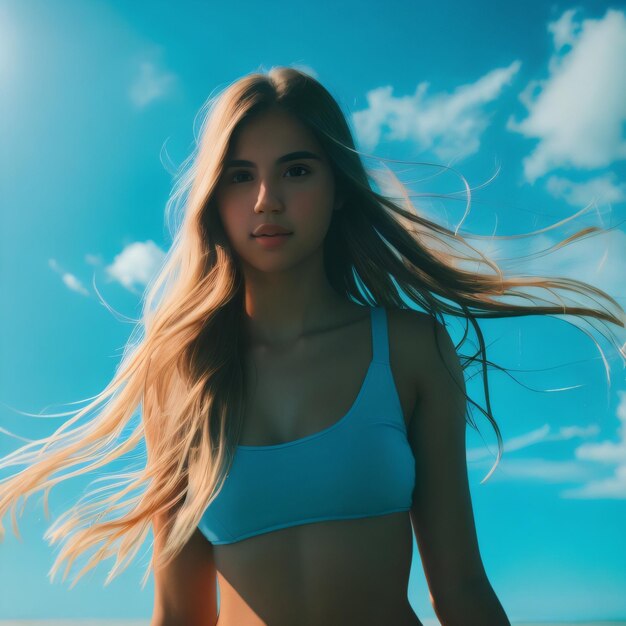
column 272, row 241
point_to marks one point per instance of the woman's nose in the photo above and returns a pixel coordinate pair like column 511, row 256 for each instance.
column 267, row 200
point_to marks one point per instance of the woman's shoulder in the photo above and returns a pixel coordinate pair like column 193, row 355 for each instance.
column 421, row 343
column 411, row 329
column 410, row 320
column 412, row 325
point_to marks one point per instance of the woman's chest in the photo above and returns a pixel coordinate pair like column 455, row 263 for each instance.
column 308, row 389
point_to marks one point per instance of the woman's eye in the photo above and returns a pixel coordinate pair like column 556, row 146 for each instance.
column 298, row 167
column 294, row 167
column 232, row 180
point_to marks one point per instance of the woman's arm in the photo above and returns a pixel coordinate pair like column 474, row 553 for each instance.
column 473, row 604
column 185, row 590
column 441, row 512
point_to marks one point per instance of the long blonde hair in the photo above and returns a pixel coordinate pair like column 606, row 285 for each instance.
column 182, row 366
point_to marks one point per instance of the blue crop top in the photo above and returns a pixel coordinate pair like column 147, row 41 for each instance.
column 360, row 466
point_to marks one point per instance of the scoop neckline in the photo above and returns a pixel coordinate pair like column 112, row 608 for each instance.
column 324, row 431
column 343, row 418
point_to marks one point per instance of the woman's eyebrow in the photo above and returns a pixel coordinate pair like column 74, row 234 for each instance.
column 291, row 156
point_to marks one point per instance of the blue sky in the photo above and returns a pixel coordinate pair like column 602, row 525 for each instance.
column 527, row 100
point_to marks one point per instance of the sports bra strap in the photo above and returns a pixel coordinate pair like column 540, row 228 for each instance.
column 380, row 337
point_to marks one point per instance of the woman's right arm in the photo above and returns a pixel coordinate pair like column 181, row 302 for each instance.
column 185, row 590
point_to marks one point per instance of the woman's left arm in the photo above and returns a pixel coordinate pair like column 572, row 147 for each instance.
column 441, row 512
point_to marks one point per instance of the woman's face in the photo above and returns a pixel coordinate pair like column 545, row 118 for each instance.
column 275, row 186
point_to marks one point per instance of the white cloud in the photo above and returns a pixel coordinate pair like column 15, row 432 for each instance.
column 70, row 280
column 539, row 435
column 74, row 283
column 608, row 451
column 613, row 487
column 569, row 432
column 590, row 458
column 578, row 112
column 136, row 264
column 539, row 469
column 150, row 84
column 448, row 124
column 93, row 259
column 564, row 30
column 598, row 190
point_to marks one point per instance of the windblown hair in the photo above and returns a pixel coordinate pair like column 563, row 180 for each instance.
column 182, row 367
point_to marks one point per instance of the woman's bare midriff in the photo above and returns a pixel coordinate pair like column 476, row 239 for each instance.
column 338, row 572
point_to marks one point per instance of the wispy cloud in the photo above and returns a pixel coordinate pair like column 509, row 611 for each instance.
column 591, row 458
column 93, row 259
column 544, row 470
column 578, row 112
column 136, row 264
column 70, row 280
column 613, row 487
column 539, row 435
column 606, row 453
column 450, row 125
column 601, row 189
column 151, row 83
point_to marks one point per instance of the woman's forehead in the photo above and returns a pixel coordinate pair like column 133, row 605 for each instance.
column 274, row 130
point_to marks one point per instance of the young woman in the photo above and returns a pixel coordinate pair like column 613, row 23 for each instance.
column 301, row 420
